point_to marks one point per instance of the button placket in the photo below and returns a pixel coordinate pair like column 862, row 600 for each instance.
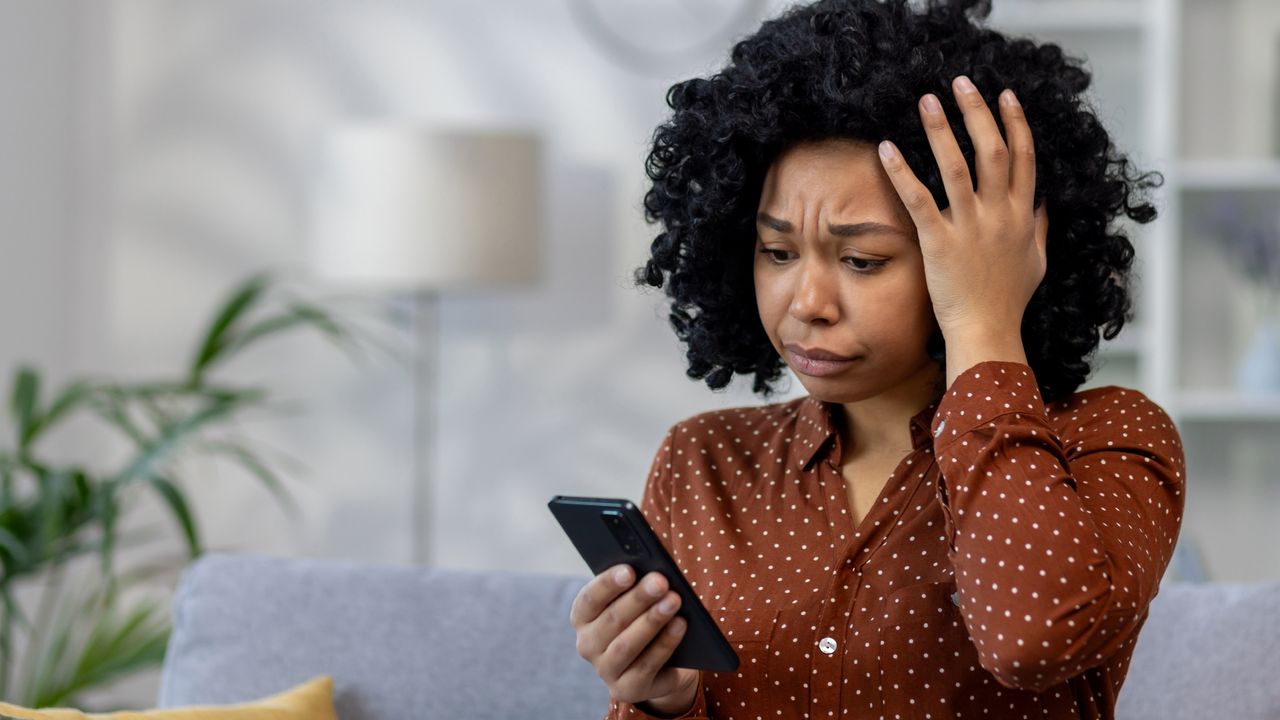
column 827, row 655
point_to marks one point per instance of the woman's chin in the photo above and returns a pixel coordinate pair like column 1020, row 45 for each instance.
column 839, row 388
column 862, row 381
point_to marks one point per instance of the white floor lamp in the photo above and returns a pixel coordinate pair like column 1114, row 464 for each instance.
column 420, row 211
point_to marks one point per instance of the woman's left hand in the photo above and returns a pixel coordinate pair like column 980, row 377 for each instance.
column 984, row 255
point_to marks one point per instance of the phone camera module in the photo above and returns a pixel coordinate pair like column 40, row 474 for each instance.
column 627, row 538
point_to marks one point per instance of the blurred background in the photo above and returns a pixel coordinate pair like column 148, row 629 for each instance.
column 156, row 153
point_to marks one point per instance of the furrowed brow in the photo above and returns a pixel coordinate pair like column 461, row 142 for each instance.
column 849, row 230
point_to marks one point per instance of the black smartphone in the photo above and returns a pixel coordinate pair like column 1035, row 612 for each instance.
column 612, row 531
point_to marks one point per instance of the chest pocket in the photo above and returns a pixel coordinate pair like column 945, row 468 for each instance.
column 751, row 633
column 925, row 649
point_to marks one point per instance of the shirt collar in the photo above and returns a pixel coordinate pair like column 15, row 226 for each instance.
column 818, row 426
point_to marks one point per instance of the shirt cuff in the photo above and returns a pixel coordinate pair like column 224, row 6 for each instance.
column 983, row 392
column 697, row 712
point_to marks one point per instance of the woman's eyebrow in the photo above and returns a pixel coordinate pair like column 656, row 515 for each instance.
column 852, row 230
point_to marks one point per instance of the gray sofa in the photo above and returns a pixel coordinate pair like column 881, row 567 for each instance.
column 424, row 643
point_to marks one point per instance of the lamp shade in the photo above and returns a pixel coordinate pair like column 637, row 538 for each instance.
column 406, row 207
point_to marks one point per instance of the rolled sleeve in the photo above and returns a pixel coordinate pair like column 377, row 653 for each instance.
column 1058, row 539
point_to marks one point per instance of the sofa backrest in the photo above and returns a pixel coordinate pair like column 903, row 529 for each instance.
column 1208, row 650
column 427, row 643
column 399, row 641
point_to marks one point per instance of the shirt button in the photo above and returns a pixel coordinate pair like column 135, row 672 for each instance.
column 827, row 645
column 941, row 425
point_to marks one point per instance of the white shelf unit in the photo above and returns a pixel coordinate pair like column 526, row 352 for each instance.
column 1212, row 175
column 1067, row 15
column 1165, row 74
column 1208, row 406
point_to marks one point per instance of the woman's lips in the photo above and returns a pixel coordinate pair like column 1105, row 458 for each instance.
column 817, row 368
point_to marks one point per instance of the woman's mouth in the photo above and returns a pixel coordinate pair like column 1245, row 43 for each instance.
column 817, row 363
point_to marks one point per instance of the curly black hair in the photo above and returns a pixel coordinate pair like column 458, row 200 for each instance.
column 856, row 69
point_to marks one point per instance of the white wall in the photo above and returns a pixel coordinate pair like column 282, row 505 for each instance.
column 218, row 110
column 39, row 104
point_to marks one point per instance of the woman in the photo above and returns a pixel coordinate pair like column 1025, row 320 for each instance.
column 914, row 214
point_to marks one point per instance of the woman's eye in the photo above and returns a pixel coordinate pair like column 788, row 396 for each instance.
column 864, row 264
column 773, row 254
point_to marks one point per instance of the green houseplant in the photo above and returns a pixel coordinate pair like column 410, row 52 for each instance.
column 83, row 635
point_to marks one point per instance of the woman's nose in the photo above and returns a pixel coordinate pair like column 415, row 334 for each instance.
column 815, row 297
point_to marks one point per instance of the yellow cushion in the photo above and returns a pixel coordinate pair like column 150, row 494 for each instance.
column 312, row 700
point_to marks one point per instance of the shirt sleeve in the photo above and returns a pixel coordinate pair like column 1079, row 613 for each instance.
column 1058, row 539
column 656, row 504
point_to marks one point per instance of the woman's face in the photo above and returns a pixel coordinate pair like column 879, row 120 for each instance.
column 838, row 268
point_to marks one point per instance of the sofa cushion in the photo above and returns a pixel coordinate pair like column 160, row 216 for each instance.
column 312, row 700
column 399, row 641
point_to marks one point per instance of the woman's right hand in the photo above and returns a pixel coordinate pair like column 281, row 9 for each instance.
column 617, row 628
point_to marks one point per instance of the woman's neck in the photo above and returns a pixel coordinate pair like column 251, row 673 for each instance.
column 881, row 425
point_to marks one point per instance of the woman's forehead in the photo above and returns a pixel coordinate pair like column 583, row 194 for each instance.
column 845, row 183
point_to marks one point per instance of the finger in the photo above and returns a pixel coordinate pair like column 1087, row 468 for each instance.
column 631, row 642
column 596, row 636
column 1022, row 171
column 596, row 595
column 913, row 193
column 647, row 671
column 992, row 155
column 946, row 152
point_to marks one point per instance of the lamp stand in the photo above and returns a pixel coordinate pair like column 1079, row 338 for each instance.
column 425, row 367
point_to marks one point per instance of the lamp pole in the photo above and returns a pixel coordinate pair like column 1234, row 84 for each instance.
column 417, row 211
column 425, row 369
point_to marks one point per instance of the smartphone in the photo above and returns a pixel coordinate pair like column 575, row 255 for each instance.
column 612, row 531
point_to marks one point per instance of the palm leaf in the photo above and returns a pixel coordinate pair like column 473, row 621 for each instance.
column 156, row 451
column 118, row 644
column 71, row 397
column 107, row 510
column 218, row 335
column 298, row 315
column 184, row 391
column 114, row 644
column 12, row 608
column 7, row 496
column 177, row 503
column 23, row 402
column 110, row 405
column 46, row 653
column 154, row 407
column 247, row 459
column 36, row 531
column 16, row 549
column 52, row 503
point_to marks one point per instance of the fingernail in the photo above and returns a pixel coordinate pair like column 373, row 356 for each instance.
column 965, row 84
column 886, row 150
column 931, row 104
column 676, row 627
column 667, row 605
column 653, row 587
column 622, row 576
column 1008, row 99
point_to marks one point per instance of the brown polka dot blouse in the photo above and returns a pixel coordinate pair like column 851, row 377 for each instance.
column 1003, row 572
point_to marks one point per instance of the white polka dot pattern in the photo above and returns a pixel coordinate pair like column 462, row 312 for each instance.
column 1004, row 571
